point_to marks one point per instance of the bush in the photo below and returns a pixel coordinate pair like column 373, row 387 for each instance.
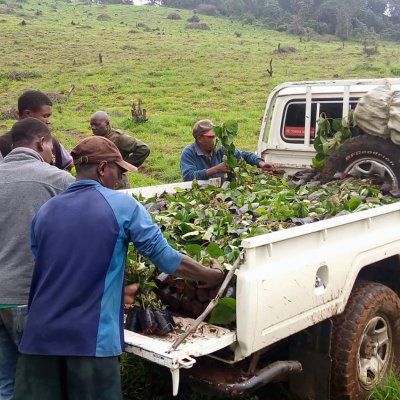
column 194, row 18
column 207, row 9
column 197, row 25
column 296, row 28
column 18, row 76
column 248, row 18
column 174, row 16
column 103, row 17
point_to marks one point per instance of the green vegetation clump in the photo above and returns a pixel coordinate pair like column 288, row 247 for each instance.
column 388, row 389
column 174, row 16
column 194, row 18
column 197, row 25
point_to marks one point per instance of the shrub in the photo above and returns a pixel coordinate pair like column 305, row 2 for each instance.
column 103, row 17
column 197, row 25
column 174, row 16
column 194, row 18
column 18, row 76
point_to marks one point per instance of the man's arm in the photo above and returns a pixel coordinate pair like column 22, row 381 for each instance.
column 66, row 159
column 253, row 159
column 149, row 241
column 135, row 150
column 191, row 269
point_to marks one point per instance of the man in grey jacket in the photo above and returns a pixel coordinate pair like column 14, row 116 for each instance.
column 27, row 181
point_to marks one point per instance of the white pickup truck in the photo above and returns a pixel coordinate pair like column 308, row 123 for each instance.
column 316, row 305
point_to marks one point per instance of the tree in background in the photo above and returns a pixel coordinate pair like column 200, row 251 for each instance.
column 346, row 19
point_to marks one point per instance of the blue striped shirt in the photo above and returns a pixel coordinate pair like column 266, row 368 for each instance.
column 79, row 240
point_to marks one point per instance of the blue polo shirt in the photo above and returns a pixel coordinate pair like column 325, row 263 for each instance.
column 194, row 163
column 80, row 239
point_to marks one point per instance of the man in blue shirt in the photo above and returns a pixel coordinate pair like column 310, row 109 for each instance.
column 201, row 161
column 74, row 331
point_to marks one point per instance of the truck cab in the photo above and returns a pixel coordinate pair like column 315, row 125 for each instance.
column 292, row 111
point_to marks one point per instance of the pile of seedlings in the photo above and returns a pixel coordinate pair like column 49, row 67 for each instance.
column 148, row 315
column 211, row 222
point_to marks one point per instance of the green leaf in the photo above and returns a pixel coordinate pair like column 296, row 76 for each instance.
column 214, row 250
column 231, row 161
column 225, row 312
column 318, row 144
column 337, row 124
column 209, row 232
column 193, row 250
column 190, row 234
column 232, row 127
column 352, row 204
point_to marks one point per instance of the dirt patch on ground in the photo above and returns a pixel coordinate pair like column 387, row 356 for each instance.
column 74, row 134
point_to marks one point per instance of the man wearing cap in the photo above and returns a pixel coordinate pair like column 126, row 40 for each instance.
column 27, row 181
column 201, row 161
column 74, row 332
column 133, row 150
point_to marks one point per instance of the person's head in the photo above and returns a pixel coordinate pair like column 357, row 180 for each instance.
column 99, row 159
column 31, row 133
column 100, row 123
column 35, row 104
column 204, row 134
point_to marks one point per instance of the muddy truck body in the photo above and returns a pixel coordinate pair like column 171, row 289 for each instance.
column 317, row 305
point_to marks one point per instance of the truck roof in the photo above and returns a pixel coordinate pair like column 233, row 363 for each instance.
column 335, row 86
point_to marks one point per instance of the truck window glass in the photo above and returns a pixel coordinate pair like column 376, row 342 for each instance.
column 294, row 121
column 293, row 125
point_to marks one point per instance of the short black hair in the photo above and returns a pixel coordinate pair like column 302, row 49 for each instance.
column 33, row 100
column 27, row 130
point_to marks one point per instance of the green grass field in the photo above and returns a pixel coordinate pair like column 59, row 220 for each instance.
column 181, row 75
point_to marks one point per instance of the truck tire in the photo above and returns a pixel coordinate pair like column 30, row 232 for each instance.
column 366, row 156
column 365, row 341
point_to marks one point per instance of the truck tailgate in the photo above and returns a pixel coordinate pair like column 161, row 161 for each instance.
column 205, row 340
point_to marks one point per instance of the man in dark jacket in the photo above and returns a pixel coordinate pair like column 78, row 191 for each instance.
column 27, row 181
column 133, row 150
column 36, row 104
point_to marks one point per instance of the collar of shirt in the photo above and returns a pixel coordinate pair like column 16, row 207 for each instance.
column 83, row 182
column 200, row 152
column 22, row 151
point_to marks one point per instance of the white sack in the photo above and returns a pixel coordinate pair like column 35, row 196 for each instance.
column 372, row 111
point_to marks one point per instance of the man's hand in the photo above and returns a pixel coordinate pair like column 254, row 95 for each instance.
column 130, row 292
column 221, row 168
column 191, row 269
column 216, row 279
column 267, row 166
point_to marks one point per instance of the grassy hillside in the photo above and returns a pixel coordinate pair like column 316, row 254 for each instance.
column 180, row 74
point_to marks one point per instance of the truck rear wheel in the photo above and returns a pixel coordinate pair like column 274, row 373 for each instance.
column 365, row 341
column 366, row 156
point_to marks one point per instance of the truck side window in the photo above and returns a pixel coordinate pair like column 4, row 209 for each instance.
column 294, row 117
column 294, row 122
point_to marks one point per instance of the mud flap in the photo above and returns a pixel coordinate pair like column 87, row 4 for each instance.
column 313, row 351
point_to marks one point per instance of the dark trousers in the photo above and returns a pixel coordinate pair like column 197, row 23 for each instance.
column 67, row 378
